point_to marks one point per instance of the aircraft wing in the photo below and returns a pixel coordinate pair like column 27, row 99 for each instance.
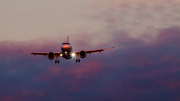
column 42, row 53
column 93, row 51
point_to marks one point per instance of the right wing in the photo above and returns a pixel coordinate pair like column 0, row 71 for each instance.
column 42, row 53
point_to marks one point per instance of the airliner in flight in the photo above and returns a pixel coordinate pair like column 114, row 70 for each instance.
column 67, row 52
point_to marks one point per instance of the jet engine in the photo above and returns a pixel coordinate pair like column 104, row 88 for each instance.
column 82, row 54
column 51, row 55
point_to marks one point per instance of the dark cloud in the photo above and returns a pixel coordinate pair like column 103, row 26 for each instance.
column 135, row 70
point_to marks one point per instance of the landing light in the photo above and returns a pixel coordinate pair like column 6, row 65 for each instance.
column 73, row 54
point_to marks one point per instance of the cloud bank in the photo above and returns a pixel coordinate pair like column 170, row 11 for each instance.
column 135, row 70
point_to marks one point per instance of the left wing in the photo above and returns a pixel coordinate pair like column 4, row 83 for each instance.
column 42, row 53
column 51, row 55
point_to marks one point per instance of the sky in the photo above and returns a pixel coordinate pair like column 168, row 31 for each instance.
column 144, row 66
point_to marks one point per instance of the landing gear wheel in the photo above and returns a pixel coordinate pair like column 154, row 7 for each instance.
column 56, row 61
column 77, row 60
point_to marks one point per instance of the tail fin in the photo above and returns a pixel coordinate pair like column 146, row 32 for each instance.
column 67, row 39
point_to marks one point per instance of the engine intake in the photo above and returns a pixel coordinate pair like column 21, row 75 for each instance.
column 51, row 55
column 82, row 54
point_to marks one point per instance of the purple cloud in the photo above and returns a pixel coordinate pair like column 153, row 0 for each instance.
column 135, row 70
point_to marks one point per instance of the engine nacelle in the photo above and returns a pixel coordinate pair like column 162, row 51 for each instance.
column 51, row 55
column 82, row 54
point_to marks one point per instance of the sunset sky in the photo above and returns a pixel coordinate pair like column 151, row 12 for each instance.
column 144, row 66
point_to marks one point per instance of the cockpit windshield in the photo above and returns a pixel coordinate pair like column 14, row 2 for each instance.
column 65, row 43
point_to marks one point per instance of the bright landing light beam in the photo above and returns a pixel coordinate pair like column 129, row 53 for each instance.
column 73, row 54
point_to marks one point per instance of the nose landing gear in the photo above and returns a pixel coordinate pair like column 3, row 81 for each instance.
column 77, row 60
column 56, row 61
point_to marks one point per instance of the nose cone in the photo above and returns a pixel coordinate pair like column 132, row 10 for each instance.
column 66, row 48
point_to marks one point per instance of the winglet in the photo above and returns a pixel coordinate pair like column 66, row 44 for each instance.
column 20, row 50
column 67, row 39
column 112, row 47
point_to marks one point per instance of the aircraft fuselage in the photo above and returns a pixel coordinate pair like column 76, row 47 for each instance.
column 66, row 49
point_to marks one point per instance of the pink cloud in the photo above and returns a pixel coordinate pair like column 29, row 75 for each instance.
column 170, row 84
column 11, row 98
column 167, row 58
column 134, row 68
column 55, row 70
column 115, row 3
column 169, row 36
column 82, row 76
column 32, row 92
column 142, row 62
column 86, row 70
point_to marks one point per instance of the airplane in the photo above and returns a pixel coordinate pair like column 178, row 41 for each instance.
column 67, row 52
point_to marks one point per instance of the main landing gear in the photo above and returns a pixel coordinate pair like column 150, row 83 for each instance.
column 77, row 60
column 56, row 61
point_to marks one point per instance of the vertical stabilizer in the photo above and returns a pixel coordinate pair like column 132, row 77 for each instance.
column 67, row 39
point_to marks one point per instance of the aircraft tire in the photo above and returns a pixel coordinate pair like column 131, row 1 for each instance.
column 56, row 61
column 77, row 60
